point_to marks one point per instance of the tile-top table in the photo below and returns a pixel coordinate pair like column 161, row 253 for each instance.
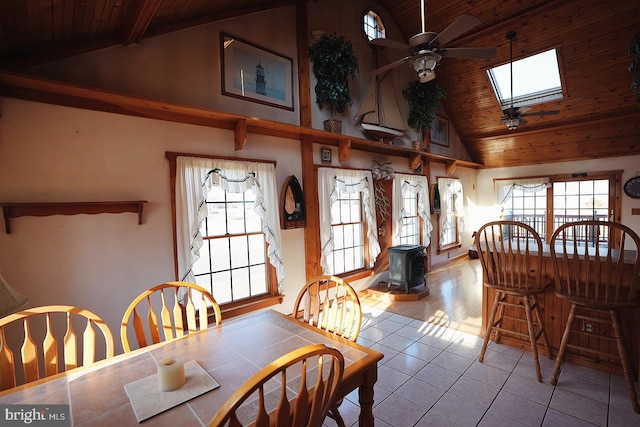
column 231, row 353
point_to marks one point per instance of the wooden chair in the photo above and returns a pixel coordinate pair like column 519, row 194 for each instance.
column 331, row 304
column 511, row 257
column 49, row 344
column 176, row 321
column 598, row 282
column 267, row 394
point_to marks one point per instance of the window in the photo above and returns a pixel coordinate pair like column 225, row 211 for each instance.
column 232, row 258
column 451, row 214
column 536, row 79
column 227, row 229
column 373, row 26
column 348, row 228
column 567, row 198
column 410, row 230
column 411, row 218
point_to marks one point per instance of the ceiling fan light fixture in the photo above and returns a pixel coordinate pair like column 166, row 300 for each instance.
column 511, row 123
column 425, row 64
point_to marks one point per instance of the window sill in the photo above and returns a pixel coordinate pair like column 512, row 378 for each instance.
column 449, row 248
column 249, row 306
column 356, row 275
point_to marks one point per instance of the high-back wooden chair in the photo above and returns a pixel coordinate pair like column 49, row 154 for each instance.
column 168, row 311
column 272, row 397
column 331, row 304
column 598, row 279
column 48, row 342
column 511, row 257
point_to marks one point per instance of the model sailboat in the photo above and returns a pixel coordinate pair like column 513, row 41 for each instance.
column 381, row 117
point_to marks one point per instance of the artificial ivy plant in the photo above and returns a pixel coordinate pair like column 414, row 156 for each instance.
column 634, row 67
column 334, row 64
column 424, row 100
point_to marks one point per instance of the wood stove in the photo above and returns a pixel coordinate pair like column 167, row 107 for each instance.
column 407, row 266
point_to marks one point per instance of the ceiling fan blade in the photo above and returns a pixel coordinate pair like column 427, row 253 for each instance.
column 457, row 28
column 428, row 78
column 542, row 113
column 391, row 44
column 468, row 52
column 510, row 111
column 388, row 66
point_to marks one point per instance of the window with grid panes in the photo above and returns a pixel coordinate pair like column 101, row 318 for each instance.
column 373, row 26
column 348, row 225
column 449, row 235
column 410, row 231
column 527, row 207
column 570, row 198
column 232, row 261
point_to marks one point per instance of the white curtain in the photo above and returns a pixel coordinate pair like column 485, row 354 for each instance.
column 195, row 177
column 450, row 193
column 348, row 181
column 504, row 187
column 403, row 185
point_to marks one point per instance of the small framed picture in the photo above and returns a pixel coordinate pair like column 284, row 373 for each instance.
column 325, row 155
column 440, row 131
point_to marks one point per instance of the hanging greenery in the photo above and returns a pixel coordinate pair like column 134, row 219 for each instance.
column 334, row 64
column 634, row 67
column 424, row 100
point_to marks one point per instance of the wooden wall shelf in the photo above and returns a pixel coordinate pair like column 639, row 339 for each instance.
column 52, row 92
column 14, row 210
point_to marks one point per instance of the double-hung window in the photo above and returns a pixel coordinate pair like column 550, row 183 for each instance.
column 348, row 228
column 411, row 218
column 228, row 229
column 450, row 221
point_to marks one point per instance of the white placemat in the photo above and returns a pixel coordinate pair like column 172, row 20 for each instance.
column 147, row 400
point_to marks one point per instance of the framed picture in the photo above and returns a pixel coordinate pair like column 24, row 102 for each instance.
column 256, row 74
column 440, row 131
column 325, row 155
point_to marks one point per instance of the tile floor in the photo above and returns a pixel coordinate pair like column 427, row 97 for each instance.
column 430, row 376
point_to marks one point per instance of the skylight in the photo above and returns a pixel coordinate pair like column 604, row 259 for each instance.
column 536, row 79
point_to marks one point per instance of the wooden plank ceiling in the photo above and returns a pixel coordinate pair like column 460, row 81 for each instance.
column 598, row 118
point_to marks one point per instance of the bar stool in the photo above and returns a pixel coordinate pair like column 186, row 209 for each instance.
column 597, row 277
column 511, row 257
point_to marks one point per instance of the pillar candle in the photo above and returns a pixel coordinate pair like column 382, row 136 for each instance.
column 171, row 374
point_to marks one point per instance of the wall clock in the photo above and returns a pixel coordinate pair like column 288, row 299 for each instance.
column 632, row 187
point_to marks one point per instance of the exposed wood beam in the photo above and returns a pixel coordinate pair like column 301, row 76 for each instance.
column 52, row 92
column 240, row 134
column 344, row 149
column 633, row 115
column 139, row 15
column 304, row 80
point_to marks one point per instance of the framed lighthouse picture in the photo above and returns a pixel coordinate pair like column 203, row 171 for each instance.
column 256, row 74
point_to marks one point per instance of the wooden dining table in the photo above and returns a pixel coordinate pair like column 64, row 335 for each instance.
column 230, row 353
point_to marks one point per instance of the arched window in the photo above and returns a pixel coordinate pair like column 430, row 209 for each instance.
column 373, row 26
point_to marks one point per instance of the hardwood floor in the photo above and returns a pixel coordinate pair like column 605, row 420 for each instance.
column 454, row 300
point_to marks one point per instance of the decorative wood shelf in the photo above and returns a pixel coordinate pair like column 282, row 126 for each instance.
column 40, row 90
column 14, row 210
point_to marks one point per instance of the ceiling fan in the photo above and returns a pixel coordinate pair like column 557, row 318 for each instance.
column 427, row 48
column 513, row 116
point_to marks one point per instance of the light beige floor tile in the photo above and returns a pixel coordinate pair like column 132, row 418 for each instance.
column 474, row 391
column 406, row 363
column 398, row 412
column 580, row 407
column 460, row 411
column 419, row 392
column 523, row 410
